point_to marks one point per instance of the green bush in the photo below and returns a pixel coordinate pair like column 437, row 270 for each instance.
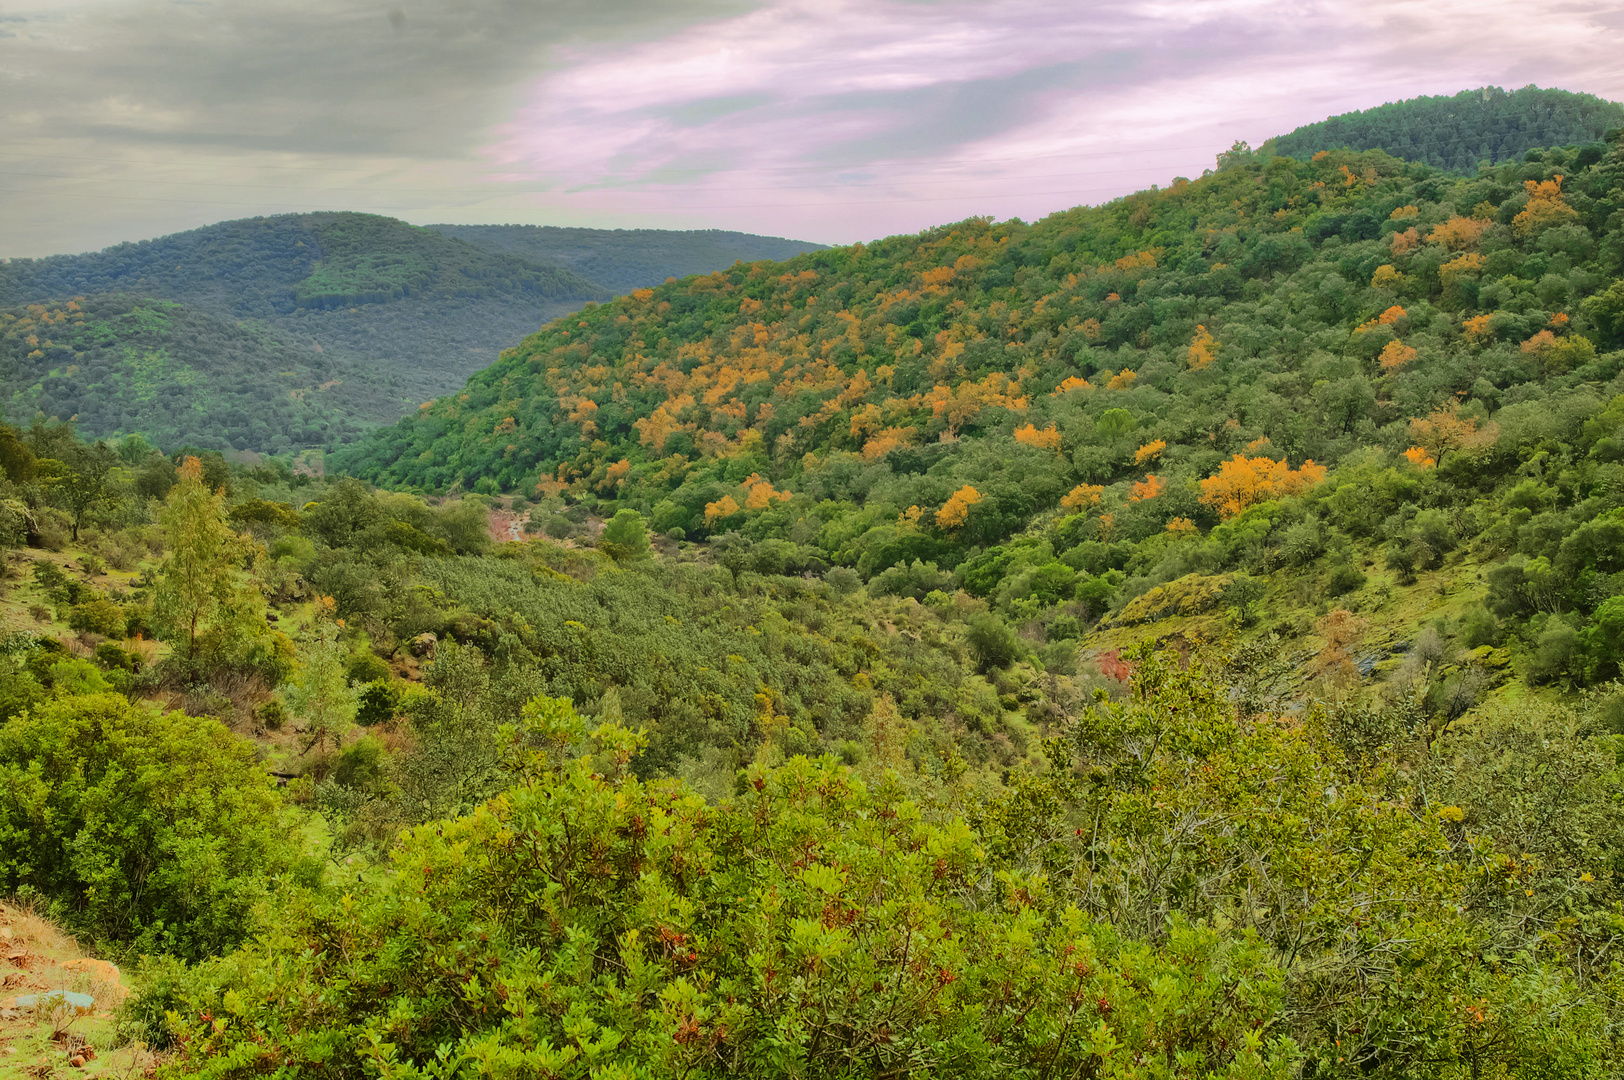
column 367, row 667
column 157, row 831
column 625, row 537
column 99, row 616
column 377, row 703
column 114, row 656
column 271, row 714
column 992, row 642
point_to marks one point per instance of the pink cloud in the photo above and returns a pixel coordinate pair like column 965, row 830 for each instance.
column 843, row 119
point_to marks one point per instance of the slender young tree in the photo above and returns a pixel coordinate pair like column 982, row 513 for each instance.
column 320, row 695
column 201, row 594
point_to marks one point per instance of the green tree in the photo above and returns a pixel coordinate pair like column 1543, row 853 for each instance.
column 204, row 602
column 16, row 459
column 319, row 693
column 348, row 511
column 625, row 537
column 80, row 483
column 992, row 642
column 155, row 830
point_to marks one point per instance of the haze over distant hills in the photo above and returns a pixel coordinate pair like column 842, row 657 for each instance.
column 342, row 320
column 625, row 259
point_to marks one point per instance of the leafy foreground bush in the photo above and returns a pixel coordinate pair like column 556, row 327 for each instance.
column 1199, row 896
column 157, row 831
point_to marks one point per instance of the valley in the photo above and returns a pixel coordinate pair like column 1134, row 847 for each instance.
column 1178, row 637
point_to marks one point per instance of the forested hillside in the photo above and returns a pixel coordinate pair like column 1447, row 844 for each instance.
column 1179, row 639
column 626, row 259
column 1361, row 372
column 116, row 365
column 305, row 330
column 421, row 309
column 1461, row 131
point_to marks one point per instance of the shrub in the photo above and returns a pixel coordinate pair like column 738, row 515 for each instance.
column 114, row 656
column 271, row 715
column 155, row 830
column 625, row 537
column 1478, row 627
column 366, row 667
column 361, row 765
column 98, row 616
column 377, row 703
column 992, row 642
column 1344, row 578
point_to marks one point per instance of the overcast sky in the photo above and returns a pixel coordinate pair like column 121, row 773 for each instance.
column 828, row 120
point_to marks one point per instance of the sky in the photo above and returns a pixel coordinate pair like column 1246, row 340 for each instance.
column 825, row 120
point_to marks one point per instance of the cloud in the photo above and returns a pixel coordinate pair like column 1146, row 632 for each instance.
column 420, row 78
column 827, row 119
column 882, row 115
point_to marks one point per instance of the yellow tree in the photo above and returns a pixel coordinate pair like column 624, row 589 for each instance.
column 1545, row 207
column 1203, row 349
column 1083, row 496
column 1446, row 430
column 1243, row 482
column 956, row 511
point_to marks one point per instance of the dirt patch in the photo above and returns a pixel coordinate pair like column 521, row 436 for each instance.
column 506, row 527
column 43, row 1031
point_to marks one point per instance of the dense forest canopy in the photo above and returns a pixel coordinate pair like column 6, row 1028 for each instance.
column 625, row 259
column 421, row 309
column 1149, row 384
column 262, row 267
column 1461, row 131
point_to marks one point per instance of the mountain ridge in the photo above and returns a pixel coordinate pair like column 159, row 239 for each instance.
column 407, row 312
column 1457, row 132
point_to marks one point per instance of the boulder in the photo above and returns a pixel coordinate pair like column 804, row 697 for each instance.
column 81, row 1004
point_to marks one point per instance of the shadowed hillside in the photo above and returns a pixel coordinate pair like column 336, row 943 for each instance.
column 627, row 259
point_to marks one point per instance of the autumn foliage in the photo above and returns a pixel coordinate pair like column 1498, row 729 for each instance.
column 1546, row 207
column 1459, row 233
column 1395, row 354
column 1203, row 350
column 1150, row 451
column 1082, row 497
column 956, row 511
column 1148, row 488
column 1445, row 430
column 1047, row 438
column 1243, row 482
column 1418, row 457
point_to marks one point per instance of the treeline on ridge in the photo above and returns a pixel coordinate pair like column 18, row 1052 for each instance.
column 1461, row 131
